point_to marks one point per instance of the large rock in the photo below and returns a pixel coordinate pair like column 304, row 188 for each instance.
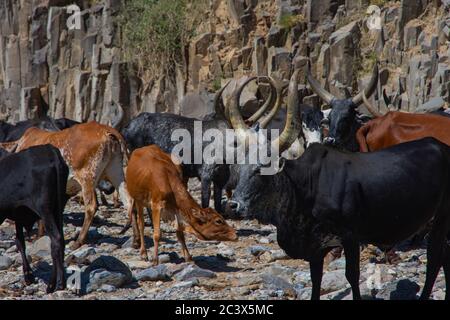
column 5, row 262
column 432, row 105
column 279, row 61
column 344, row 49
column 100, row 278
column 399, row 290
column 278, row 283
column 411, row 34
column 107, row 270
column 408, row 10
column 259, row 56
column 193, row 271
column 318, row 10
column 333, row 281
column 197, row 105
column 40, row 248
column 158, row 273
column 82, row 255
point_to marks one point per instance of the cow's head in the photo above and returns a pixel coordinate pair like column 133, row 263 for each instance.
column 208, row 224
column 343, row 121
column 253, row 196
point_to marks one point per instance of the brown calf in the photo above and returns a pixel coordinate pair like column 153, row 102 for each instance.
column 399, row 127
column 93, row 152
column 155, row 182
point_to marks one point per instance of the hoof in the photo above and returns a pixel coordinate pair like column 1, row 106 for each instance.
column 155, row 262
column 50, row 289
column 144, row 257
column 136, row 245
column 29, row 279
column 188, row 258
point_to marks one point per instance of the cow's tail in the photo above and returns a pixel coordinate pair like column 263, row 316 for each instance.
column 361, row 138
column 123, row 145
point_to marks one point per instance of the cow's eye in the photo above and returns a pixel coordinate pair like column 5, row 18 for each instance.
column 219, row 222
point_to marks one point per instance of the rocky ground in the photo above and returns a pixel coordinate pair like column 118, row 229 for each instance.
column 252, row 268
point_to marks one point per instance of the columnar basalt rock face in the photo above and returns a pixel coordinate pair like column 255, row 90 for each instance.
column 84, row 71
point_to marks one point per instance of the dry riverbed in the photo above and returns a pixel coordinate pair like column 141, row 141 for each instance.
column 252, row 268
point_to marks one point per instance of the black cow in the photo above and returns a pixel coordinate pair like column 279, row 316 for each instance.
column 10, row 132
column 312, row 122
column 329, row 198
column 312, row 118
column 157, row 128
column 344, row 119
column 32, row 187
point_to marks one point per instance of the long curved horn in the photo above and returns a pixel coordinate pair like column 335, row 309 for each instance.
column 293, row 119
column 116, row 125
column 319, row 90
column 218, row 98
column 370, row 89
column 270, row 102
column 264, row 122
column 233, row 113
column 370, row 108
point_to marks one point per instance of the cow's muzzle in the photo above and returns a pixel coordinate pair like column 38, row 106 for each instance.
column 232, row 209
column 329, row 141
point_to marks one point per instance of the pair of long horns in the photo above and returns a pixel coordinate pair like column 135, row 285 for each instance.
column 327, row 97
column 293, row 119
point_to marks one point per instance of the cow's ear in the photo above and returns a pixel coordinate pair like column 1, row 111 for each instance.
column 197, row 214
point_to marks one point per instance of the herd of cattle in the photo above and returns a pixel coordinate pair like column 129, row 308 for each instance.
column 356, row 179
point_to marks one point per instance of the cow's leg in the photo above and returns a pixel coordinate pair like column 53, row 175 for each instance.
column 436, row 253
column 136, row 234
column 90, row 204
column 316, row 268
column 140, row 226
column 116, row 202
column 103, row 199
column 20, row 243
column 130, row 218
column 55, row 232
column 206, row 191
column 218, row 197
column 352, row 266
column 181, row 239
column 156, row 219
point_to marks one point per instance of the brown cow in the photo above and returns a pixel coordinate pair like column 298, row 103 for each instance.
column 399, row 127
column 155, row 182
column 93, row 152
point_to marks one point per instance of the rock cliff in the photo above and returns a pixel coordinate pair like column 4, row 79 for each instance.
column 82, row 72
